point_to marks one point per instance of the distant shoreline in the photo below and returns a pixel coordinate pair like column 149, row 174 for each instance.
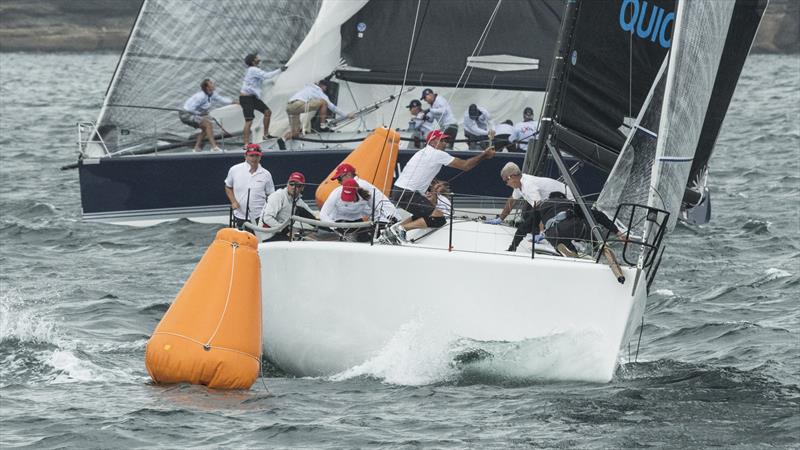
column 90, row 26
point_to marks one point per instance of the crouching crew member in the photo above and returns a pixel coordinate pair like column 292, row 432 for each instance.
column 348, row 203
column 282, row 205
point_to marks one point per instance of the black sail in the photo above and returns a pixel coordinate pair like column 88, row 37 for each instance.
column 376, row 41
column 616, row 51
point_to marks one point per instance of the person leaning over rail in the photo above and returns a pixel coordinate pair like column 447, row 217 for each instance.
column 415, row 179
column 532, row 189
column 440, row 112
column 560, row 220
column 313, row 97
column 250, row 95
column 247, row 186
column 282, row 205
column 348, row 203
column 384, row 208
column 195, row 113
column 502, row 136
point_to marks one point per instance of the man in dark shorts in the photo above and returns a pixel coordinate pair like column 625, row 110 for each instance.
column 415, row 179
column 250, row 95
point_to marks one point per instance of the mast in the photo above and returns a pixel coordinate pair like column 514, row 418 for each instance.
column 535, row 154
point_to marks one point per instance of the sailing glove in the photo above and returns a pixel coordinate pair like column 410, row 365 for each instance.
column 495, row 221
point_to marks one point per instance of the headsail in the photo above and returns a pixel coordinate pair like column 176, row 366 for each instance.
column 175, row 44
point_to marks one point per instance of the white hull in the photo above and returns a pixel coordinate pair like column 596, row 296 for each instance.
column 330, row 306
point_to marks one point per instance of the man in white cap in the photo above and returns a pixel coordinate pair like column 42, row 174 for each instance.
column 247, row 186
column 411, row 186
column 442, row 114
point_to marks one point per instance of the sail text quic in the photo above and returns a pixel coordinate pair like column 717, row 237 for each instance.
column 657, row 25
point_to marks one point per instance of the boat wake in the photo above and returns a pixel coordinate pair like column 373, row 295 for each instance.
column 423, row 356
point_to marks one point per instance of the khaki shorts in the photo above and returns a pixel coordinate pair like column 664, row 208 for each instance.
column 297, row 107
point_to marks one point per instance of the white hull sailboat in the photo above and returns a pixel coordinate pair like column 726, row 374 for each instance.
column 361, row 298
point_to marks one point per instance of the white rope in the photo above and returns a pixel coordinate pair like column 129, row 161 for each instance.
column 234, row 246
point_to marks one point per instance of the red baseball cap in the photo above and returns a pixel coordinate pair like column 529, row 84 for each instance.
column 297, row 177
column 349, row 190
column 435, row 134
column 343, row 169
column 252, row 149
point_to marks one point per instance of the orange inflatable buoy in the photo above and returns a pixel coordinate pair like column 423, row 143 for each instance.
column 374, row 160
column 211, row 335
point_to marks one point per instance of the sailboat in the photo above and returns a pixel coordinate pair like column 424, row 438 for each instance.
column 135, row 161
column 678, row 62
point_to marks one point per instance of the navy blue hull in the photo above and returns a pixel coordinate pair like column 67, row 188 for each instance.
column 191, row 184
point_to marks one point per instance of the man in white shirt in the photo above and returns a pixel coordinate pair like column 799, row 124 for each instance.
column 313, row 97
column 532, row 189
column 525, row 131
column 442, row 114
column 282, row 205
column 415, row 179
column 477, row 127
column 247, row 186
column 420, row 124
column 384, row 208
column 195, row 113
column 250, row 95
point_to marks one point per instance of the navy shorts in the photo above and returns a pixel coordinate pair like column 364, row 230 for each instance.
column 251, row 103
column 412, row 201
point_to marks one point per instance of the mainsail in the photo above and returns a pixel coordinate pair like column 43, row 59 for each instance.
column 174, row 45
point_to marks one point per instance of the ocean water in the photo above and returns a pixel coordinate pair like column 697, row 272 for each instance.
column 719, row 363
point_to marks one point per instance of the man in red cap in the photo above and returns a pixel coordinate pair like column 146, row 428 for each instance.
column 247, row 186
column 348, row 203
column 282, row 205
column 415, row 179
column 384, row 208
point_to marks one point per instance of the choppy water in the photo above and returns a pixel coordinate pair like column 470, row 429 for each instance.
column 719, row 363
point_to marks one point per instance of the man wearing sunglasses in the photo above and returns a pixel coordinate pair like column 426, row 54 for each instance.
column 282, row 205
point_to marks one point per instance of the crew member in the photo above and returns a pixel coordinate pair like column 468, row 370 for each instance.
column 415, row 179
column 250, row 95
column 384, row 208
column 350, row 204
column 195, row 113
column 282, row 205
column 525, row 131
column 533, row 189
column 247, row 186
column 502, row 136
column 420, row 124
column 477, row 127
column 312, row 98
column 442, row 114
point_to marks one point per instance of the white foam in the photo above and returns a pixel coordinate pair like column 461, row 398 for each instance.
column 773, row 274
column 664, row 292
column 25, row 324
column 421, row 355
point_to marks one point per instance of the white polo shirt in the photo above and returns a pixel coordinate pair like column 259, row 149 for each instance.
column 479, row 126
column 422, row 168
column 257, row 184
column 535, row 189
